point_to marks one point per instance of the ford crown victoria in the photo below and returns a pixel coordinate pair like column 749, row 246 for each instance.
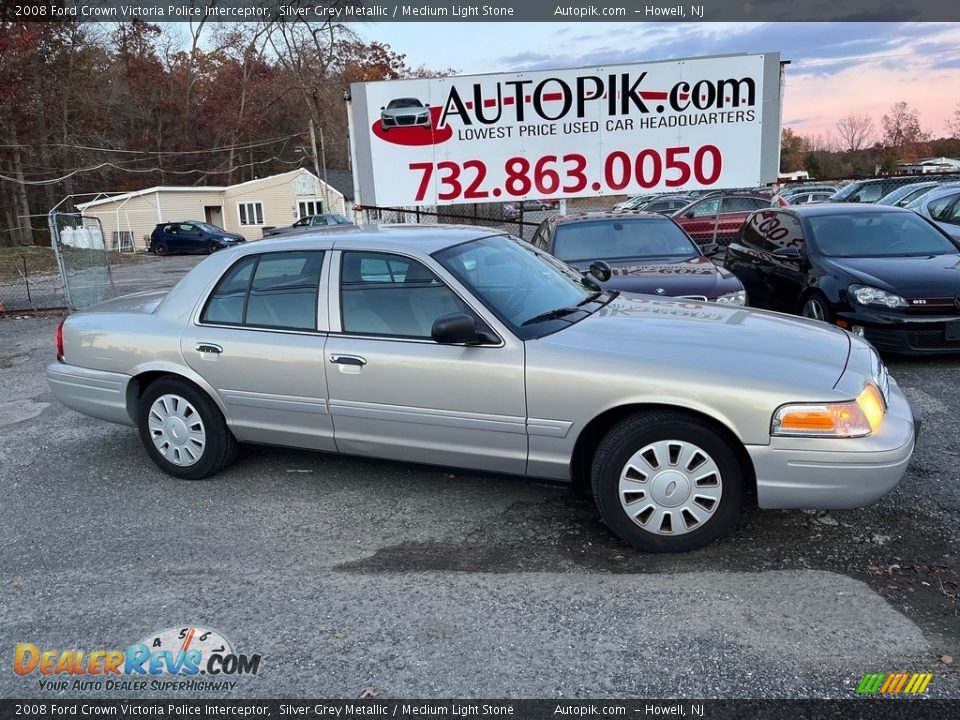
column 465, row 347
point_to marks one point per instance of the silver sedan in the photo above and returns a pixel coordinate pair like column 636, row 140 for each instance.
column 465, row 347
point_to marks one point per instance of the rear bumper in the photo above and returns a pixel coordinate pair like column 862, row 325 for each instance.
column 813, row 473
column 95, row 393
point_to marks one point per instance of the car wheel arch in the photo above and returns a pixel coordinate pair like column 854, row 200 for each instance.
column 143, row 378
column 592, row 433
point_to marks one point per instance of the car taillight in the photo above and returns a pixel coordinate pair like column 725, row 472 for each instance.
column 60, row 340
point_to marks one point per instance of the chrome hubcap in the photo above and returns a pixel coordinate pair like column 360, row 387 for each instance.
column 177, row 430
column 670, row 487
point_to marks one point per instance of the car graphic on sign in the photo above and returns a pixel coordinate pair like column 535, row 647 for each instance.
column 404, row 112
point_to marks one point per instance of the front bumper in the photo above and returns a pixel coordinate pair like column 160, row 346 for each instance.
column 95, row 393
column 834, row 473
column 905, row 334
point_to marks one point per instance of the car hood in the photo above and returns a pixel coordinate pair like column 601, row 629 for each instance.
column 409, row 110
column 926, row 276
column 749, row 347
column 690, row 276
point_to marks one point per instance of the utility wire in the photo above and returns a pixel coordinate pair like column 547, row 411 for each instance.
column 54, row 181
column 244, row 146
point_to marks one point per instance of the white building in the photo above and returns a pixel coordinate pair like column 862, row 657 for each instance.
column 246, row 208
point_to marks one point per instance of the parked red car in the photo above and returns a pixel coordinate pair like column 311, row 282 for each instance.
column 699, row 217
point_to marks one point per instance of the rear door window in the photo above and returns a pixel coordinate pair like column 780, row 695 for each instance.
column 274, row 290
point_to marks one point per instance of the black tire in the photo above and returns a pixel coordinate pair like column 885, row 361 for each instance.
column 816, row 307
column 220, row 447
column 161, row 249
column 634, row 434
column 212, row 247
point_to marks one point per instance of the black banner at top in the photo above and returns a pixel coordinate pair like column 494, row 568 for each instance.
column 632, row 11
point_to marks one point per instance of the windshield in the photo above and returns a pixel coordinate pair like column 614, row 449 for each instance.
column 880, row 234
column 519, row 283
column 845, row 192
column 612, row 239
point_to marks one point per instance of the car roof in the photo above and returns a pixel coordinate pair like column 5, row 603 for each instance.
column 425, row 238
column 818, row 210
column 945, row 190
column 602, row 215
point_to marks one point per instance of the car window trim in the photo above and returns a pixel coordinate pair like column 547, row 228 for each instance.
column 335, row 307
column 319, row 319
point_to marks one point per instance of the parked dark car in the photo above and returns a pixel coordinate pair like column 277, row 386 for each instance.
column 191, row 236
column 308, row 223
column 718, row 217
column 881, row 272
column 646, row 253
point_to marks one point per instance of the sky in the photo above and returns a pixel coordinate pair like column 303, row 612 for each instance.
column 836, row 68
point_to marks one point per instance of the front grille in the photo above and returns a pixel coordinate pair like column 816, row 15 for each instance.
column 933, row 306
column 406, row 120
column 931, row 340
column 699, row 298
column 910, row 340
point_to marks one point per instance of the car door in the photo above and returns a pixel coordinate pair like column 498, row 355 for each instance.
column 395, row 393
column 745, row 259
column 784, row 277
column 258, row 340
column 699, row 220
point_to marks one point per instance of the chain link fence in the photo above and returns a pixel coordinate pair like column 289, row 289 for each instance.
column 29, row 279
column 707, row 224
column 82, row 258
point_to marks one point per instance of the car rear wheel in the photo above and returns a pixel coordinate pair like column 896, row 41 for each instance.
column 183, row 431
column 815, row 307
column 667, row 482
column 161, row 248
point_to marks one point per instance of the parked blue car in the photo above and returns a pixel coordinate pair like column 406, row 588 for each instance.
column 191, row 237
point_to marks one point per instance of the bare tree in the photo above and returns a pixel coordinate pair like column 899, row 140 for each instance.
column 901, row 126
column 953, row 125
column 856, row 131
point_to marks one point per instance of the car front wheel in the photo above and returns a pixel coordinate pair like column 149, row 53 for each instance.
column 183, row 431
column 816, row 308
column 667, row 482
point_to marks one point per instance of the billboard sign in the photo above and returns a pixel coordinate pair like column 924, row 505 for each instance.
column 624, row 129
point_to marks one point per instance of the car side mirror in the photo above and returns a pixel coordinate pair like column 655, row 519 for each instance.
column 454, row 329
column 710, row 249
column 600, row 270
column 787, row 253
column 383, row 107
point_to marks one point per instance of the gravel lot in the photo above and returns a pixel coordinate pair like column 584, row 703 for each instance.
column 347, row 574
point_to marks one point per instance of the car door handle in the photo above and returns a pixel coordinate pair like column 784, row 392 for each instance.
column 209, row 348
column 348, row 360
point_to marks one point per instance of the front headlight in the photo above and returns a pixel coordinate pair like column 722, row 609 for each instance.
column 857, row 418
column 866, row 295
column 735, row 298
